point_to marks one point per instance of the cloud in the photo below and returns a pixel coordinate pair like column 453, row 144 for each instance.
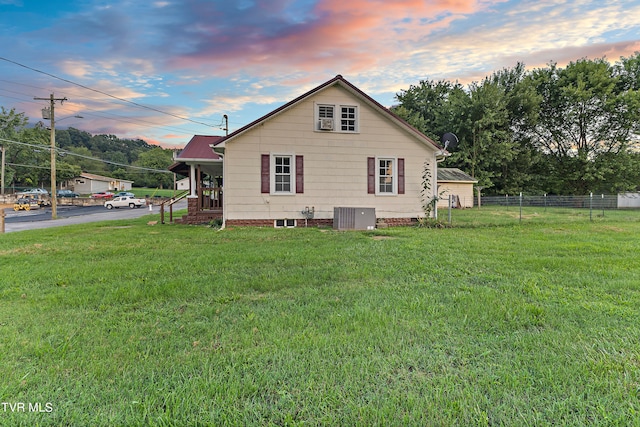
column 249, row 56
column 335, row 35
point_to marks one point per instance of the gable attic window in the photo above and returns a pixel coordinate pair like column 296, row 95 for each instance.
column 348, row 118
column 336, row 118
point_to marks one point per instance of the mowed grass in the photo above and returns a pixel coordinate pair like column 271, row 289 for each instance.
column 120, row 323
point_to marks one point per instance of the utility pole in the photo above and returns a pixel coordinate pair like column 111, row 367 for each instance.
column 2, row 172
column 49, row 112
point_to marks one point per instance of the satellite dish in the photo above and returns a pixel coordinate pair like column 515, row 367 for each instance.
column 449, row 141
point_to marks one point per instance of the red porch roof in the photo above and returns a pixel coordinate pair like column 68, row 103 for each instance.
column 200, row 148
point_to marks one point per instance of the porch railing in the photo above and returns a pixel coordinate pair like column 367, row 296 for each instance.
column 210, row 198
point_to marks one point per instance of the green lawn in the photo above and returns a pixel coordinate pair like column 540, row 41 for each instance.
column 491, row 322
column 154, row 192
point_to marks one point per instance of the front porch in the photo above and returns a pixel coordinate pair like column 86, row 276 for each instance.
column 204, row 169
column 204, row 208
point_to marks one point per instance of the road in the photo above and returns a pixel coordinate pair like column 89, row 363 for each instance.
column 68, row 215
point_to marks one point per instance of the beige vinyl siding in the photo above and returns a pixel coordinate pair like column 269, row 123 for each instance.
column 335, row 164
column 464, row 191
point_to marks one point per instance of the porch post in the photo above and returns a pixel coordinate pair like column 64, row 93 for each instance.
column 192, row 181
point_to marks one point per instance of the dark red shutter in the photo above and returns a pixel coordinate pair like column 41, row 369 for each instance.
column 299, row 174
column 400, row 176
column 264, row 174
column 371, row 175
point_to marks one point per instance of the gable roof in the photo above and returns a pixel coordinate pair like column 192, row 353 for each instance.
column 336, row 81
column 454, row 175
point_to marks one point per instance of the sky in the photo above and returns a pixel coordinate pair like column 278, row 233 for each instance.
column 163, row 71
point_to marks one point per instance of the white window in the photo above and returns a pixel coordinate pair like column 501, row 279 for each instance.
column 282, row 174
column 386, row 176
column 348, row 118
column 325, row 111
column 326, row 120
column 336, row 118
column 284, row 223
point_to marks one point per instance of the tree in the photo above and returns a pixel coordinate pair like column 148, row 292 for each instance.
column 486, row 119
column 430, row 106
column 31, row 157
column 585, row 112
column 554, row 130
column 157, row 159
column 86, row 161
column 11, row 123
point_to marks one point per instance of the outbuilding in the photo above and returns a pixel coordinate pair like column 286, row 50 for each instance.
column 454, row 182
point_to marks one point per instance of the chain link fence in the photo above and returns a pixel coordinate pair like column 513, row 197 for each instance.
column 540, row 208
column 593, row 201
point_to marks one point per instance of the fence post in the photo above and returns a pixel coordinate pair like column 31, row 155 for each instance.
column 545, row 202
column 450, row 201
column 602, row 205
column 1, row 220
column 521, row 206
column 590, row 206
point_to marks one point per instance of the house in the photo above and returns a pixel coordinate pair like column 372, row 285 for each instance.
column 88, row 183
column 203, row 169
column 182, row 184
column 332, row 147
column 454, row 182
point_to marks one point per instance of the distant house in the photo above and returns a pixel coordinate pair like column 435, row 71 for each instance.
column 454, row 182
column 88, row 183
column 182, row 184
column 332, row 147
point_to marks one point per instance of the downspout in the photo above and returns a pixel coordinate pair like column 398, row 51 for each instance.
column 220, row 151
column 224, row 180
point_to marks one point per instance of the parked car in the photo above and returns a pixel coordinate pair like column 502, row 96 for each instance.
column 33, row 192
column 36, row 191
column 25, row 204
column 39, row 199
column 124, row 201
column 102, row 195
column 66, row 193
column 124, row 193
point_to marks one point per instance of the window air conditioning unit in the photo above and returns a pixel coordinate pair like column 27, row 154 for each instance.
column 326, row 124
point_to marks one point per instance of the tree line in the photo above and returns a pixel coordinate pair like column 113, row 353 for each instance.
column 554, row 130
column 28, row 155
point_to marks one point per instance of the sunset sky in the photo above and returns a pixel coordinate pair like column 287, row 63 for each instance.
column 190, row 62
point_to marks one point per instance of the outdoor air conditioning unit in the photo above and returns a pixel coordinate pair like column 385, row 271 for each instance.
column 326, row 124
column 354, row 218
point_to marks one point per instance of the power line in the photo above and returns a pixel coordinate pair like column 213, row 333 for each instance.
column 104, row 115
column 108, row 94
column 70, row 153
